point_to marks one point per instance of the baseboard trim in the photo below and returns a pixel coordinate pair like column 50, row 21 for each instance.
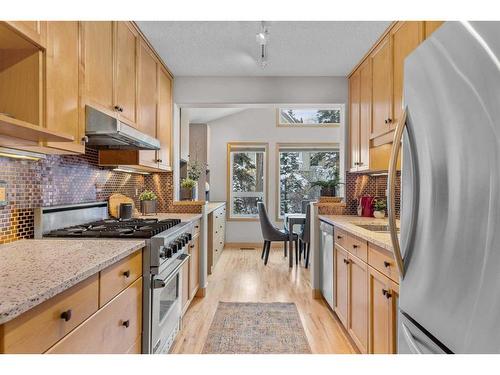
column 316, row 294
column 201, row 292
column 251, row 245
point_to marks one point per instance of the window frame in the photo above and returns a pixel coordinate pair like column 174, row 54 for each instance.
column 307, row 146
column 339, row 107
column 230, row 147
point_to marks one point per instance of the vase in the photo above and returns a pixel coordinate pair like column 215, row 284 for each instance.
column 328, row 192
column 379, row 214
column 148, row 207
column 189, row 194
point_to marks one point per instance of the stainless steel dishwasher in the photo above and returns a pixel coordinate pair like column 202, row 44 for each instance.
column 326, row 262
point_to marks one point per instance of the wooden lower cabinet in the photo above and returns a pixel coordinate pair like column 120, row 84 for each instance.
column 357, row 322
column 341, row 273
column 383, row 296
column 216, row 235
column 113, row 329
column 185, row 287
column 194, row 265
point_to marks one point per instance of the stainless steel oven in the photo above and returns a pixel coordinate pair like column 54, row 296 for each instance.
column 166, row 305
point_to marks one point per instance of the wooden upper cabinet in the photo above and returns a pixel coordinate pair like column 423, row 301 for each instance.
column 431, row 26
column 33, row 30
column 147, row 95
column 365, row 115
column 97, row 63
column 406, row 36
column 127, row 42
column 354, row 108
column 165, row 111
column 382, row 88
column 63, row 108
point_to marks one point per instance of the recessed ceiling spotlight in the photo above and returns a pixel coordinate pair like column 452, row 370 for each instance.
column 262, row 39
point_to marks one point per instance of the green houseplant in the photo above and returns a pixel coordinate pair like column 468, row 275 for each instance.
column 189, row 189
column 329, row 187
column 148, row 202
column 379, row 207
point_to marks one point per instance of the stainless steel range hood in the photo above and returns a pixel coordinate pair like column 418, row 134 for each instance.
column 105, row 131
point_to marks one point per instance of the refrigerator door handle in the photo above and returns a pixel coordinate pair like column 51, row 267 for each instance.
column 391, row 184
column 410, row 341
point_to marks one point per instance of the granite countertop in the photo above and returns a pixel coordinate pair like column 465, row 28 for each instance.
column 33, row 271
column 212, row 206
column 348, row 223
column 166, row 215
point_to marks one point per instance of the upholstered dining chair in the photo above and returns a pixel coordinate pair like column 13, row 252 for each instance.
column 270, row 233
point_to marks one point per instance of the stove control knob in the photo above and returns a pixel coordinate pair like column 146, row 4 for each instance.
column 162, row 252
column 190, row 236
column 175, row 247
column 168, row 252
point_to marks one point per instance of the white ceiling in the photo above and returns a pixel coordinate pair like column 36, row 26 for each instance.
column 228, row 48
column 204, row 115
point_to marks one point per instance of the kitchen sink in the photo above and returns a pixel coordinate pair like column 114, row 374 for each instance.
column 380, row 228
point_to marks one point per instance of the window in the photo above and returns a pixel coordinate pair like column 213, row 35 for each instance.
column 304, row 117
column 298, row 168
column 247, row 179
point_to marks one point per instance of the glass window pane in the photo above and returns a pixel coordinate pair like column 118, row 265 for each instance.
column 313, row 116
column 246, row 206
column 298, row 170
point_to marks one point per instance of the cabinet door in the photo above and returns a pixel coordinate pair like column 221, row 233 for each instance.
column 365, row 115
column 341, row 273
column 406, row 36
column 380, row 316
column 354, row 100
column 164, row 132
column 382, row 88
column 126, row 72
column 97, row 61
column 358, row 302
column 62, row 82
column 33, row 30
column 148, row 91
column 185, row 286
column 194, row 264
column 431, row 26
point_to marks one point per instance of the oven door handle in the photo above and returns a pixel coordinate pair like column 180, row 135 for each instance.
column 160, row 283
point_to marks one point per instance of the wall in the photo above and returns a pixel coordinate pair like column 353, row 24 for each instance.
column 256, row 125
column 257, row 90
column 65, row 180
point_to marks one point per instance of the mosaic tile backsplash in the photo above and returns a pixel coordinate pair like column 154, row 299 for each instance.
column 67, row 179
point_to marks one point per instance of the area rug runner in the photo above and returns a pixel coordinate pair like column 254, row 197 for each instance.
column 256, row 328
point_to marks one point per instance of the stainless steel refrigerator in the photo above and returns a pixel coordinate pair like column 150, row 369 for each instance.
column 450, row 206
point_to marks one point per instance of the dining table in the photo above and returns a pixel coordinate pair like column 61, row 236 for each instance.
column 289, row 221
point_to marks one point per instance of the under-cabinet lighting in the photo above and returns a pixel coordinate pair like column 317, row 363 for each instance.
column 378, row 174
column 129, row 170
column 20, row 154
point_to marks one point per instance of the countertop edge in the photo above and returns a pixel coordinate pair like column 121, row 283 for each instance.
column 212, row 206
column 362, row 233
column 32, row 302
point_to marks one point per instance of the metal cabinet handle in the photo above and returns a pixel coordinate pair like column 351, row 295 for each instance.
column 126, row 323
column 386, row 293
column 355, row 246
column 391, row 186
column 386, row 264
column 409, row 339
column 66, row 315
column 388, row 121
column 339, row 237
column 85, row 139
column 126, row 274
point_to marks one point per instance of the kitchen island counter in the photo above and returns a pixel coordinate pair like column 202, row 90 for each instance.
column 33, row 271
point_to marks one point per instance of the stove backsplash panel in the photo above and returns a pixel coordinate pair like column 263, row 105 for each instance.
column 67, row 179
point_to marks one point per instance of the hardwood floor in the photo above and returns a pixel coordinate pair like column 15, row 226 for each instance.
column 240, row 276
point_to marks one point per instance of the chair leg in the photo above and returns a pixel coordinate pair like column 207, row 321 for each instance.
column 297, row 252
column 301, row 248
column 308, row 247
column 268, row 248
column 284, row 248
column 263, row 250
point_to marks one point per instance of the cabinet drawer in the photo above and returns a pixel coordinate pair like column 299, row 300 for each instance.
column 41, row 327
column 383, row 261
column 196, row 227
column 358, row 247
column 120, row 275
column 341, row 238
column 113, row 329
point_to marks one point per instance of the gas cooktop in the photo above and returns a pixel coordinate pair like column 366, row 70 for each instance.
column 113, row 228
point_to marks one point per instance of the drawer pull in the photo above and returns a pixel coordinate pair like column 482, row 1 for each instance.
column 346, row 261
column 339, row 237
column 355, row 246
column 126, row 323
column 66, row 315
column 386, row 264
column 197, row 226
column 127, row 274
column 386, row 293
column 191, row 246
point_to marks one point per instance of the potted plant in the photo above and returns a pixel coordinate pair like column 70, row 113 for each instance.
column 379, row 207
column 328, row 186
column 189, row 189
column 148, row 202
